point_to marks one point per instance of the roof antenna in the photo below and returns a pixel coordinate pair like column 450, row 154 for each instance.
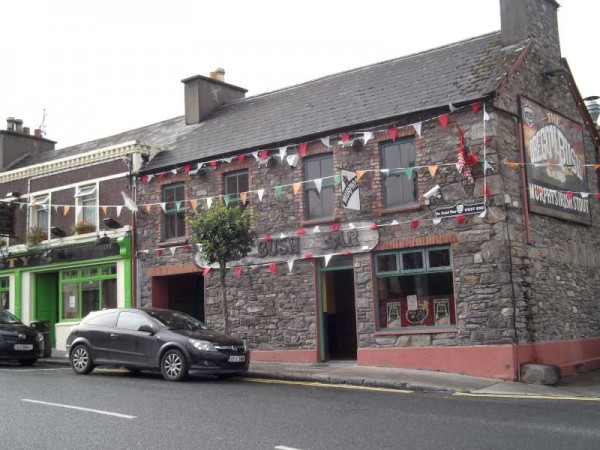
column 43, row 124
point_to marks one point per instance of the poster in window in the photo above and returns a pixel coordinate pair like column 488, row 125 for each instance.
column 441, row 308
column 393, row 315
column 412, row 303
column 419, row 317
column 5, row 301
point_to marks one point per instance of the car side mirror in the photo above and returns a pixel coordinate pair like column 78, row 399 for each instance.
column 147, row 329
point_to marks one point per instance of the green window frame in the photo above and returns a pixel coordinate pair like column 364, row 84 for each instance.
column 86, row 289
column 415, row 289
column 397, row 189
column 4, row 293
column 173, row 196
column 318, row 204
column 234, row 183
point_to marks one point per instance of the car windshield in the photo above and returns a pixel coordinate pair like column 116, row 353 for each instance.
column 6, row 317
column 173, row 320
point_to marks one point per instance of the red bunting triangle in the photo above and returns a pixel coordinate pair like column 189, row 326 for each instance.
column 393, row 132
column 144, row 179
column 187, row 169
column 347, row 253
column 460, row 220
column 238, row 271
column 262, row 155
column 345, row 137
column 302, row 149
column 414, row 224
column 569, row 195
column 213, row 164
column 205, row 271
column 272, row 267
column 267, row 237
column 598, row 196
column 186, row 246
column 159, row 252
column 538, row 191
column 300, row 231
column 240, row 158
column 335, row 227
column 487, row 192
column 486, row 139
column 308, row 256
column 443, row 119
column 373, row 226
column 476, row 107
column 161, row 175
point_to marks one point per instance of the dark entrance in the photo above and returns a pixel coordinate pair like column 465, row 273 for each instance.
column 338, row 313
column 183, row 293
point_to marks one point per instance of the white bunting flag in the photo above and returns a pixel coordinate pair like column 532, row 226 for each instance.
column 325, row 142
column 483, row 214
column 119, row 208
column 260, row 193
column 437, row 220
column 228, row 160
column 209, row 202
column 385, row 171
column 163, row 205
column 317, row 229
column 459, row 168
column 327, row 259
column 585, row 194
column 129, row 203
column 452, row 107
column 292, row 160
column 290, row 264
column 367, row 135
column 365, row 247
column 318, row 184
column 255, row 154
column 488, row 166
column 172, row 250
column 417, row 126
column 282, row 152
column 150, row 176
column 486, row 116
column 351, row 226
column 282, row 236
column 200, row 166
column 394, row 222
column 174, row 171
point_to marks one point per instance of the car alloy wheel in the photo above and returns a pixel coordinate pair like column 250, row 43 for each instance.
column 173, row 366
column 81, row 361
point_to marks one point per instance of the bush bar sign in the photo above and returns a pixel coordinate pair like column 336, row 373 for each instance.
column 555, row 157
column 460, row 209
column 350, row 192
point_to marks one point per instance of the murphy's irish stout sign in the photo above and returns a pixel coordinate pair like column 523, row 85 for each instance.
column 555, row 164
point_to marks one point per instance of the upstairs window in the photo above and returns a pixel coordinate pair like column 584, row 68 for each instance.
column 85, row 200
column 235, row 183
column 319, row 203
column 399, row 189
column 39, row 212
column 173, row 196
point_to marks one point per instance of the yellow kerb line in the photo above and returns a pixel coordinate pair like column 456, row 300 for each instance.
column 326, row 385
column 532, row 397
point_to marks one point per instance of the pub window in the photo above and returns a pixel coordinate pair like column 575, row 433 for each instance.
column 173, row 196
column 87, row 289
column 415, row 289
column 40, row 209
column 399, row 187
column 234, row 184
column 85, row 200
column 318, row 204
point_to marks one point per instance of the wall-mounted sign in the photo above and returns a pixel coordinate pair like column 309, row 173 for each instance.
column 555, row 163
column 460, row 209
column 350, row 191
column 361, row 238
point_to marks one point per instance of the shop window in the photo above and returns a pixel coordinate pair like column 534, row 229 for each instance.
column 39, row 212
column 87, row 289
column 4, row 293
column 86, row 205
column 415, row 289
column 234, row 183
column 399, row 187
column 319, row 202
column 173, row 197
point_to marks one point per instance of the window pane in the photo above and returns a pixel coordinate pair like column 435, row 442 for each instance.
column 109, row 293
column 89, row 272
column 104, row 320
column 398, row 189
column 319, row 204
column 90, row 297
column 42, row 218
column 70, row 302
column 386, row 263
column 412, row 261
column 439, row 258
column 131, row 321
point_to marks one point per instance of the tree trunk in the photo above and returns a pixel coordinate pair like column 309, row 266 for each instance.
column 222, row 273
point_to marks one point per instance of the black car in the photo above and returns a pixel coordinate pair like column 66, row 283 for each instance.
column 18, row 341
column 146, row 338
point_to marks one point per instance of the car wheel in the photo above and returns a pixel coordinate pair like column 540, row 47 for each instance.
column 173, row 365
column 81, row 360
column 27, row 362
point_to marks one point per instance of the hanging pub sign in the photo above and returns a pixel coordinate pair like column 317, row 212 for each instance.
column 460, row 209
column 350, row 191
column 555, row 163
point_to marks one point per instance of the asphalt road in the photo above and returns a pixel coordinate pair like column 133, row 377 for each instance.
column 124, row 411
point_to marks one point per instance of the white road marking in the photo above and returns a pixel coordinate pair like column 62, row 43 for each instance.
column 32, row 370
column 97, row 411
column 283, row 447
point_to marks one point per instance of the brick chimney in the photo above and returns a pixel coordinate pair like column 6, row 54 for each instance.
column 16, row 143
column 205, row 94
column 537, row 19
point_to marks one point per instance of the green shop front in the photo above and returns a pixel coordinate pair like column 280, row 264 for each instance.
column 62, row 284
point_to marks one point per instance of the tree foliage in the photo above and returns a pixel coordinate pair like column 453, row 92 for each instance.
column 223, row 234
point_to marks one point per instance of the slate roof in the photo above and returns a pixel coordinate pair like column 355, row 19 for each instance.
column 456, row 73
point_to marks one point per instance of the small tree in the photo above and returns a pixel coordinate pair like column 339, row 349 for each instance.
column 223, row 233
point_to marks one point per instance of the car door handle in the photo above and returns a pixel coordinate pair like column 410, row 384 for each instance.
column 114, row 335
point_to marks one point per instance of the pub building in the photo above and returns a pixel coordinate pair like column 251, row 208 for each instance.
column 436, row 211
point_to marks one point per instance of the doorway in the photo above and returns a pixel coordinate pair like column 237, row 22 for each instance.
column 183, row 293
column 46, row 301
column 337, row 313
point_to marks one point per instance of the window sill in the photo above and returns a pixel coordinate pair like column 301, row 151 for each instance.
column 431, row 330
column 323, row 221
column 398, row 209
column 172, row 242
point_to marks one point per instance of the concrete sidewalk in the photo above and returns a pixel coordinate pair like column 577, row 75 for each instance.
column 584, row 386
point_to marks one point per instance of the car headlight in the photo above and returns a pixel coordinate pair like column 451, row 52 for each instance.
column 40, row 337
column 203, row 346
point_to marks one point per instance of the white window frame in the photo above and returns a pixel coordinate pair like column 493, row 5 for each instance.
column 42, row 202
column 80, row 193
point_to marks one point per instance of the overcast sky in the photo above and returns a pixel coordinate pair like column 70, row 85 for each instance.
column 103, row 67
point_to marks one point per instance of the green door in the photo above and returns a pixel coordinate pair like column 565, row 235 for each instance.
column 46, row 300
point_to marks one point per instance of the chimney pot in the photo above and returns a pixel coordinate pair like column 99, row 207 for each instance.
column 593, row 107
column 18, row 125
column 26, row 131
column 10, row 123
column 38, row 133
column 220, row 74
